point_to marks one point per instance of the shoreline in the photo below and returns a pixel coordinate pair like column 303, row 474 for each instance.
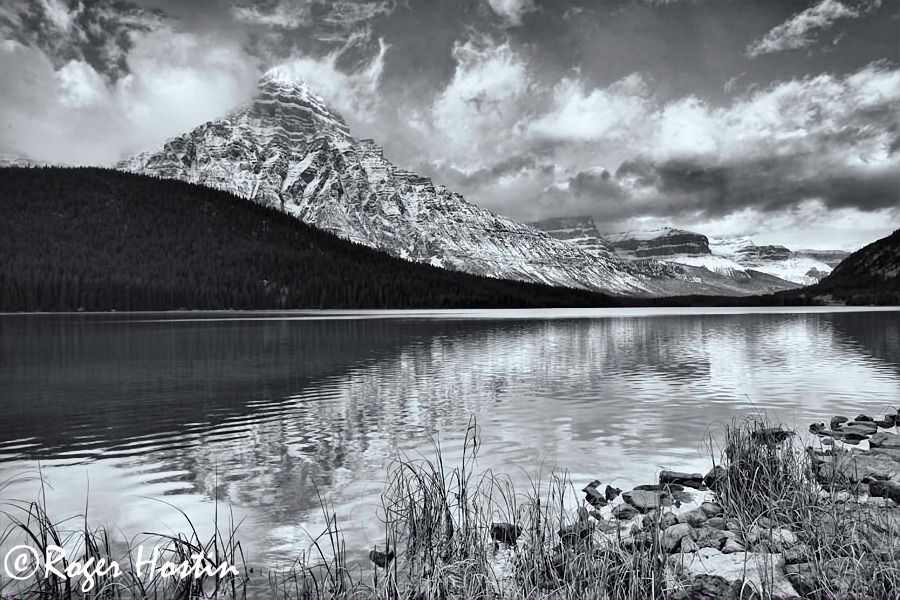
column 771, row 516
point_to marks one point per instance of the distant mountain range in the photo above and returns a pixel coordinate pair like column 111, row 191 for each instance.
column 286, row 149
column 731, row 257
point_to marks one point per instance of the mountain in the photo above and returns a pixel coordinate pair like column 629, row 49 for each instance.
column 581, row 231
column 287, row 150
column 868, row 276
column 678, row 261
column 661, row 243
column 799, row 267
column 95, row 239
column 832, row 258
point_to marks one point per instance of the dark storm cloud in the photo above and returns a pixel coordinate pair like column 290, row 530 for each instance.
column 769, row 185
column 94, row 31
column 599, row 184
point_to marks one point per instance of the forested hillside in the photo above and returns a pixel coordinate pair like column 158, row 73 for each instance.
column 97, row 239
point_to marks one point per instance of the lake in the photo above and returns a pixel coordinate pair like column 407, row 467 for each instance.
column 261, row 413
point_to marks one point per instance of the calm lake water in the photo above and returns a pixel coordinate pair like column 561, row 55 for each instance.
column 260, row 411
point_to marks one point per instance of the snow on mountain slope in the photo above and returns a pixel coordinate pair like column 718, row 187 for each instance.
column 774, row 260
column 716, row 264
column 581, row 231
column 286, row 149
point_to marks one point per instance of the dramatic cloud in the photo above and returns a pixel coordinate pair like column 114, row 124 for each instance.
column 73, row 115
column 354, row 95
column 100, row 34
column 640, row 113
column 512, row 11
column 475, row 119
column 801, row 30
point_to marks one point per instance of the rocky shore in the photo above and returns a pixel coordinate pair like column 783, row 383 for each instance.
column 774, row 520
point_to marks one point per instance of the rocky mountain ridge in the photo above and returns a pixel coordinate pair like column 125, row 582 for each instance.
column 287, row 150
column 731, row 257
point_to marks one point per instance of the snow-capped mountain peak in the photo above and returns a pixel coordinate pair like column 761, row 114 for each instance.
column 287, row 149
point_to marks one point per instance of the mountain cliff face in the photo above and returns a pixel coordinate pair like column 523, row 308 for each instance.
column 581, row 231
column 287, row 150
column 661, row 243
column 678, row 263
column 868, row 276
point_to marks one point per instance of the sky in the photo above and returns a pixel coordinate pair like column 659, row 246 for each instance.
column 778, row 120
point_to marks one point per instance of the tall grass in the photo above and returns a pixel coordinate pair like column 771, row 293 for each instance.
column 438, row 512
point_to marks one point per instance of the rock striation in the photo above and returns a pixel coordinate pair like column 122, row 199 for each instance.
column 288, row 150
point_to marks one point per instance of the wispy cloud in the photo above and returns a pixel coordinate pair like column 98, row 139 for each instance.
column 801, row 30
column 512, row 11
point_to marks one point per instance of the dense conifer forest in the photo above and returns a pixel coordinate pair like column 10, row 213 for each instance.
column 96, row 239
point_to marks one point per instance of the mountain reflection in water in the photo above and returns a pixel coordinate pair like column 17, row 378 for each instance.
column 263, row 413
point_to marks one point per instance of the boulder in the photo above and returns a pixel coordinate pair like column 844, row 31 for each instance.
column 853, row 468
column 710, row 586
column 694, row 480
column 884, row 439
column 646, row 500
column 712, row 509
column 863, row 417
column 611, row 493
column 863, row 427
column 672, row 536
column 623, row 512
column 694, row 517
column 715, row 477
column 731, row 546
column 836, row 422
column 759, row 571
column 717, row 523
column 885, row 489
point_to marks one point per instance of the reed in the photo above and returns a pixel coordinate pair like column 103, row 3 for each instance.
column 452, row 531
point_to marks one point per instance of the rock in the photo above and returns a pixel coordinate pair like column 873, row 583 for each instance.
column 827, row 442
column 731, row 546
column 854, row 468
column 885, row 489
column 797, row 554
column 802, row 577
column 864, row 427
column 646, row 500
column 715, row 477
column 688, row 545
column 505, row 533
column 712, row 509
column 641, row 541
column 623, row 512
column 817, row 428
column 836, row 422
column 771, row 436
column 381, row 559
column 709, row 586
column 884, row 439
column 892, row 453
column 672, row 536
column 694, row 480
column 594, row 497
column 885, row 423
column 707, row 537
column 862, row 417
column 774, row 539
column 575, row 534
column 694, row 517
column 751, row 568
column 611, row 493
column 716, row 523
